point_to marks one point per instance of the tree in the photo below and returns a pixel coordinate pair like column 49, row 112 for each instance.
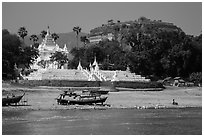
column 5, row 32
column 59, row 57
column 143, row 19
column 55, row 36
column 42, row 63
column 108, row 54
column 22, row 32
column 110, row 22
column 27, row 56
column 196, row 77
column 34, row 38
column 84, row 39
column 43, row 33
column 117, row 32
column 10, row 51
column 14, row 53
column 77, row 30
column 78, row 54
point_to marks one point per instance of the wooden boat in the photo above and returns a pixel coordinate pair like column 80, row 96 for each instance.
column 81, row 99
column 95, row 92
column 12, row 100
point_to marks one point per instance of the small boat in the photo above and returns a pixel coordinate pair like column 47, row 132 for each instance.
column 81, row 99
column 102, row 90
column 11, row 100
column 95, row 92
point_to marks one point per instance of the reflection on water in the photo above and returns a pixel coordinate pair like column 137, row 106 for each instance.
column 103, row 122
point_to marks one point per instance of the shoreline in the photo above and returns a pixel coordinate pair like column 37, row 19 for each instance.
column 97, row 108
column 43, row 98
column 78, row 88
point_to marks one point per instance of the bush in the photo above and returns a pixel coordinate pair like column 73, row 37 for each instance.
column 139, row 85
column 196, row 77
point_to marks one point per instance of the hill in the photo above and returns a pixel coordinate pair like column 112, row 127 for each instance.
column 143, row 24
column 64, row 38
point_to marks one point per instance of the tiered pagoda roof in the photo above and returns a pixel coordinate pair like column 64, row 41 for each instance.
column 48, row 41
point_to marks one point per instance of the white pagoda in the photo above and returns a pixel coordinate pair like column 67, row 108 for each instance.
column 46, row 48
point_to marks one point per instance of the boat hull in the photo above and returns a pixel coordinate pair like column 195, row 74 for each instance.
column 13, row 100
column 82, row 101
column 88, row 101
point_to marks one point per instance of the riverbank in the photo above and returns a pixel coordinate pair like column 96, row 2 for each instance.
column 43, row 98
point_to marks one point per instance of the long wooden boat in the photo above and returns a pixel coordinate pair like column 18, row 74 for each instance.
column 12, row 100
column 83, row 99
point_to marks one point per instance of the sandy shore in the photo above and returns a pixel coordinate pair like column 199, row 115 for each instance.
column 43, row 98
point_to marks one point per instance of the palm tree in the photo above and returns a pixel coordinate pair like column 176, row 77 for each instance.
column 117, row 30
column 43, row 33
column 22, row 32
column 55, row 36
column 34, row 38
column 110, row 22
column 77, row 30
column 59, row 57
column 84, row 39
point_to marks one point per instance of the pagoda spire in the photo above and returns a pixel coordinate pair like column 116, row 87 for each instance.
column 48, row 30
column 95, row 62
column 128, row 68
column 79, row 66
column 65, row 47
column 95, row 65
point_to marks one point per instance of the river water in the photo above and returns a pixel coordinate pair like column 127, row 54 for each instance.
column 103, row 122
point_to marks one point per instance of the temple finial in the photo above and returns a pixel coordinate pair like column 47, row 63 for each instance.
column 79, row 65
column 48, row 30
column 95, row 58
column 95, row 62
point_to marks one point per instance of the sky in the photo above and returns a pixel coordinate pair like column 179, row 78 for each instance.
column 63, row 16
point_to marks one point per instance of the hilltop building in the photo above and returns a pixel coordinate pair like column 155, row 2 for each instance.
column 107, row 31
column 98, row 38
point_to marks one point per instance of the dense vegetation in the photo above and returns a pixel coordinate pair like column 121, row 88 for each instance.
column 150, row 48
column 15, row 53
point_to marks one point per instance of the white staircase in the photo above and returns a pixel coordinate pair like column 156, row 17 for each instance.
column 84, row 75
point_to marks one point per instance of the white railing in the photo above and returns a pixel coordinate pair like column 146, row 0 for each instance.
column 100, row 76
column 86, row 73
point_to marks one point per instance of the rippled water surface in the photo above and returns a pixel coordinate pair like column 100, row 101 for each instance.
column 103, row 122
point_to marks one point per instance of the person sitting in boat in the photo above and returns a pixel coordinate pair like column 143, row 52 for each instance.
column 174, row 102
column 69, row 90
column 65, row 92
